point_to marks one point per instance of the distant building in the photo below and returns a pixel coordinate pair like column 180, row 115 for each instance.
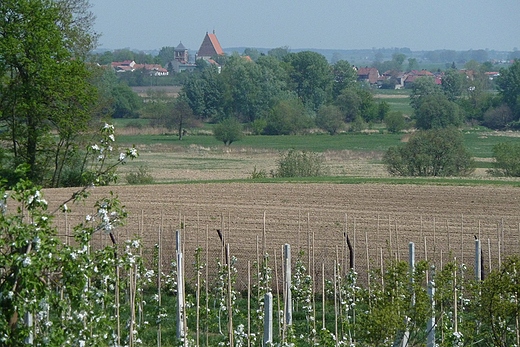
column 209, row 47
column 368, row 74
column 130, row 65
column 181, row 53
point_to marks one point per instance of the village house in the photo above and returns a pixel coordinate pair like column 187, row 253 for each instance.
column 130, row 65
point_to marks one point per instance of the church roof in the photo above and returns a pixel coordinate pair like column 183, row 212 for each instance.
column 210, row 46
column 180, row 48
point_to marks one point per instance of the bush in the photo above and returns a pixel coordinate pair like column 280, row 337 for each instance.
column 507, row 159
column 258, row 174
column 498, row 118
column 395, row 122
column 435, row 152
column 228, row 131
column 330, row 119
column 141, row 176
column 299, row 164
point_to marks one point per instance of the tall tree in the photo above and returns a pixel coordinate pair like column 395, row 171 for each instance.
column 344, row 77
column 44, row 83
column 166, row 54
column 508, row 84
column 310, row 76
column 423, row 86
column 436, row 111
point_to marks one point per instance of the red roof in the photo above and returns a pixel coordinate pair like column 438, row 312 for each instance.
column 210, row 46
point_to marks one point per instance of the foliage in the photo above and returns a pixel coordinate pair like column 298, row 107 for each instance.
column 395, row 122
column 355, row 102
column 508, row 84
column 310, row 77
column 330, row 119
column 258, row 174
column 299, row 164
column 498, row 118
column 422, row 87
column 436, row 111
column 287, row 117
column 500, row 303
column 452, row 84
column 44, row 84
column 507, row 159
column 344, row 77
column 66, row 289
column 141, row 176
column 228, row 131
column 435, row 152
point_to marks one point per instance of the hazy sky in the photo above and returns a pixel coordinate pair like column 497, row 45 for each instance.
column 325, row 24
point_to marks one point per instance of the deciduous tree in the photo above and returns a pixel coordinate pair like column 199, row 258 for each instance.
column 44, row 84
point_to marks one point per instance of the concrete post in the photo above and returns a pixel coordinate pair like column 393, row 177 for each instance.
column 478, row 261
column 430, row 327
column 287, row 284
column 268, row 319
column 180, row 288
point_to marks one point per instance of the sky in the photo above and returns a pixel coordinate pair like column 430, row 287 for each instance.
column 327, row 24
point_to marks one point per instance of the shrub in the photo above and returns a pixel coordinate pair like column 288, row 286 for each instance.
column 330, row 119
column 358, row 125
column 395, row 122
column 258, row 174
column 498, row 118
column 228, row 131
column 141, row 176
column 435, row 152
column 299, row 164
column 507, row 159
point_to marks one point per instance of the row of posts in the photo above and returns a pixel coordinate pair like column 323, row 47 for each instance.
column 268, row 313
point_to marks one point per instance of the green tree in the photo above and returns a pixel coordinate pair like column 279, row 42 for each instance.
column 435, row 152
column 452, row 84
column 330, row 119
column 436, row 111
column 310, row 77
column 204, row 93
column 344, row 77
column 355, row 102
column 507, row 159
column 166, row 55
column 413, row 64
column 279, row 52
column 250, row 89
column 395, row 122
column 252, row 53
column 228, row 131
column 44, row 83
column 287, row 117
column 423, row 86
column 498, row 118
column 508, row 84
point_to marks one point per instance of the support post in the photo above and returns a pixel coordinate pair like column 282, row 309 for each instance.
column 478, row 261
column 268, row 319
column 287, row 278
column 180, row 288
column 430, row 327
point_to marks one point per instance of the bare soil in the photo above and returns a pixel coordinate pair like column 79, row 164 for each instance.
column 380, row 220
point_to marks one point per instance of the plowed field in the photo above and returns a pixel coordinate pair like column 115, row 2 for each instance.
column 380, row 220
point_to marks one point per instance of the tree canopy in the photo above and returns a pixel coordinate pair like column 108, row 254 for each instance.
column 44, row 84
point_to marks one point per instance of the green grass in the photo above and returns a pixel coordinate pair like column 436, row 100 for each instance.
column 399, row 105
column 314, row 142
column 479, row 146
